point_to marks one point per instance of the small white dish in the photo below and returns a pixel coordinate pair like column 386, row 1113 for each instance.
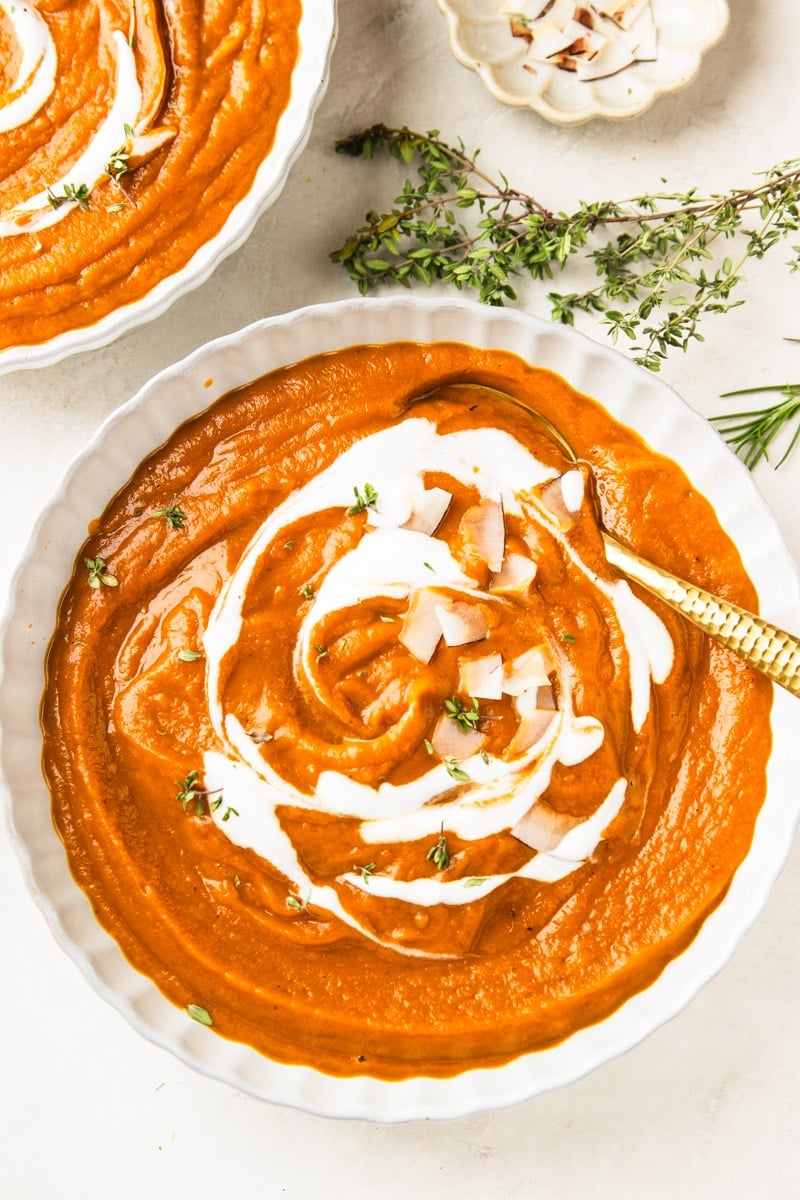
column 316, row 34
column 480, row 38
column 634, row 397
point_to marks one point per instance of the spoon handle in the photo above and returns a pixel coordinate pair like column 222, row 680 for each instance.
column 762, row 645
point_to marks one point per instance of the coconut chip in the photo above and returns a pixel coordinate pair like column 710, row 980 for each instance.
column 517, row 575
column 461, row 623
column 450, row 741
column 421, row 631
column 528, row 670
column 591, row 40
column 542, row 828
column 483, row 532
column 481, row 677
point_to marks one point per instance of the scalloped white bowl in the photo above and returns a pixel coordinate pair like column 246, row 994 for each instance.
column 480, row 39
column 317, row 34
column 634, row 397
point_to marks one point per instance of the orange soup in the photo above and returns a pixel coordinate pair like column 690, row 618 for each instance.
column 357, row 743
column 129, row 130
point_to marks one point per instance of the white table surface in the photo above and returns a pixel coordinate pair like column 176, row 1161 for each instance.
column 709, row 1106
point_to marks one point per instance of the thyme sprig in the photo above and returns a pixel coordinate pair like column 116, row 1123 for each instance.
column 752, row 431
column 465, row 718
column 455, row 771
column 368, row 500
column 99, row 574
column 660, row 258
column 191, row 793
column 73, row 194
column 174, row 516
column 439, row 853
column 117, row 163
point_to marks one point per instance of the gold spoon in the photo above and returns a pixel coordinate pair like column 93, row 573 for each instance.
column 762, row 645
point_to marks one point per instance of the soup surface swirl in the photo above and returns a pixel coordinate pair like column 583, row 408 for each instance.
column 364, row 748
column 129, row 130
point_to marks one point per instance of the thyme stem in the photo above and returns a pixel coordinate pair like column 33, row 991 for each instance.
column 646, row 250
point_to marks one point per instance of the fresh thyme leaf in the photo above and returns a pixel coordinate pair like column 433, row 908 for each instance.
column 191, row 793
column 439, row 854
column 568, row 637
column 72, row 194
column 306, row 591
column 455, row 771
column 296, row 903
column 198, row 1013
column 98, row 574
column 475, row 881
column 428, row 746
column 368, row 500
column 658, row 257
column 117, row 164
column 188, row 789
column 173, row 515
column 465, row 718
column 365, row 871
column 322, row 651
column 752, row 432
column 190, row 655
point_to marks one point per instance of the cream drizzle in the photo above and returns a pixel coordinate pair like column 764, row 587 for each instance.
column 37, row 212
column 36, row 76
column 391, row 562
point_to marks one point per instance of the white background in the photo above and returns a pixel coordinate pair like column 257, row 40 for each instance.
column 708, row 1106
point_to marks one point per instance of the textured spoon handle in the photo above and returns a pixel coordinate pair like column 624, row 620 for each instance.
column 764, row 646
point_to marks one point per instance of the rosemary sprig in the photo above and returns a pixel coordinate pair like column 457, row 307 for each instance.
column 658, row 256
column 752, row 431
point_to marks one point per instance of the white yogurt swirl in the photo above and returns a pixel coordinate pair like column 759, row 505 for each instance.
column 492, row 792
column 34, row 85
column 36, row 73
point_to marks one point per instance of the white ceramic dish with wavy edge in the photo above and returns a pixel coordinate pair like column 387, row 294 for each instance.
column 634, row 397
column 317, row 34
column 480, row 39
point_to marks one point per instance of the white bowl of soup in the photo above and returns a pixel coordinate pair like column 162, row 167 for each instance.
column 138, row 146
column 369, row 786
